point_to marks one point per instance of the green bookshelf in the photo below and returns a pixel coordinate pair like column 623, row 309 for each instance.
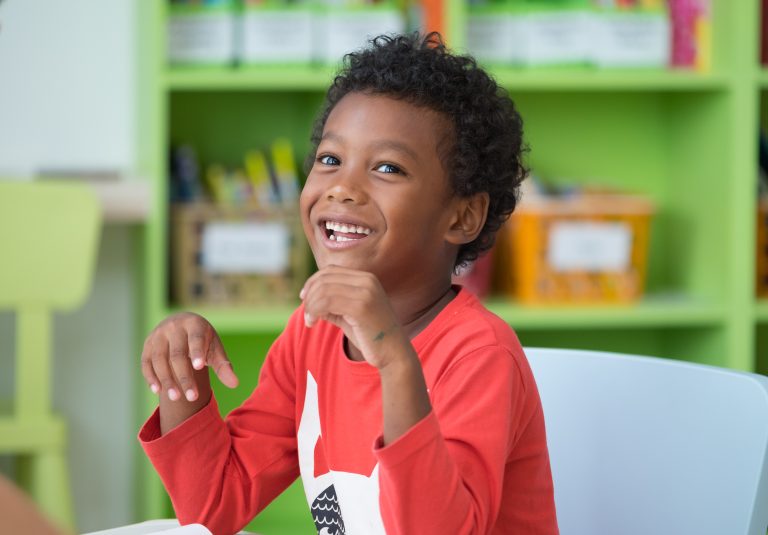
column 684, row 139
column 761, row 311
column 564, row 79
column 300, row 78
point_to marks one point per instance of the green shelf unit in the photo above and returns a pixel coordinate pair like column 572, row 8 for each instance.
column 684, row 139
column 282, row 78
column 761, row 311
column 317, row 78
column 762, row 78
column 608, row 80
column 245, row 320
column 655, row 311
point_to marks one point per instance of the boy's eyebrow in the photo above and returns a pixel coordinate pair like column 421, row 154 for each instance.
column 381, row 144
column 396, row 146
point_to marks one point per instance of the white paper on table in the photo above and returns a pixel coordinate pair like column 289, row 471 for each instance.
column 191, row 529
column 156, row 527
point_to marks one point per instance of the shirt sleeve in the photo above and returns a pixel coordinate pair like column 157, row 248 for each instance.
column 222, row 473
column 446, row 474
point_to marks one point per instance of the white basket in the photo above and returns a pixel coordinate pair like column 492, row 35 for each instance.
column 277, row 36
column 630, row 39
column 202, row 37
column 339, row 31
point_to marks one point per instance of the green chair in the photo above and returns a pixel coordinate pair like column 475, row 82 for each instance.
column 48, row 242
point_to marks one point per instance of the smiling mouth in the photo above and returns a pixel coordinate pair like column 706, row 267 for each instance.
column 341, row 232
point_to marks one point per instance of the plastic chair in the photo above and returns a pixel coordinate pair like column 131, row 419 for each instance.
column 48, row 241
column 641, row 445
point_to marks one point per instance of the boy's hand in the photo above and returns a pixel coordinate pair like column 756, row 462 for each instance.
column 176, row 353
column 356, row 302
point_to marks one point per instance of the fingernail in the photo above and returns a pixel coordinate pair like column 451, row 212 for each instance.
column 172, row 394
column 307, row 319
column 153, row 388
column 301, row 293
column 190, row 395
column 197, row 363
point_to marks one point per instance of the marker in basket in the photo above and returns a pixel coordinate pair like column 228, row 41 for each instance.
column 216, row 180
column 286, row 174
column 258, row 174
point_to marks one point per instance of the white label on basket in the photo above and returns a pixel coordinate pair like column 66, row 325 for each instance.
column 262, row 248
column 589, row 246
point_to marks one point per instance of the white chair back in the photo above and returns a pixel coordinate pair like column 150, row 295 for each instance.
column 642, row 445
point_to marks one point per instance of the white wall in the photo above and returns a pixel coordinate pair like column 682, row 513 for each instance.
column 67, row 80
column 67, row 85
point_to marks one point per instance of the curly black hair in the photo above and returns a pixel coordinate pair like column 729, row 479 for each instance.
column 487, row 139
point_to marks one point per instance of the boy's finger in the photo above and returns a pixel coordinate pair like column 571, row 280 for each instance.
column 217, row 359
column 149, row 376
column 198, row 347
column 146, row 367
column 178, row 347
column 163, row 371
column 336, row 297
column 350, row 278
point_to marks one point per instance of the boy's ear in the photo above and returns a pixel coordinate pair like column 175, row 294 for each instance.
column 468, row 219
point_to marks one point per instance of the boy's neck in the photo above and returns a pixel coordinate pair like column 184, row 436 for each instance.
column 414, row 315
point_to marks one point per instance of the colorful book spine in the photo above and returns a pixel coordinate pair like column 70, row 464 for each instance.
column 691, row 34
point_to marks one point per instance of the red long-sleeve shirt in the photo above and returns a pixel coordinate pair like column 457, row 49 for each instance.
column 477, row 464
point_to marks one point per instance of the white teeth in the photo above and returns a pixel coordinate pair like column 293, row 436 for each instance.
column 342, row 238
column 347, row 229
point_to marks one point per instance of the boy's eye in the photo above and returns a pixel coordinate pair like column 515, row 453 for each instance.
column 328, row 160
column 388, row 168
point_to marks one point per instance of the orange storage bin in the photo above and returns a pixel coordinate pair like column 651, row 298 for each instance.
column 762, row 248
column 588, row 249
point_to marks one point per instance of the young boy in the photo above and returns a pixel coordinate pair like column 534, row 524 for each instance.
column 406, row 407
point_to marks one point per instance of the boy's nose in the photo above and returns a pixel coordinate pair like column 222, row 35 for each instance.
column 344, row 191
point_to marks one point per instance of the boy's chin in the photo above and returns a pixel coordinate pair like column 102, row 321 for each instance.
column 341, row 262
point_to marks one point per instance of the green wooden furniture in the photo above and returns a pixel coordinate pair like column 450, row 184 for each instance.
column 48, row 242
column 687, row 140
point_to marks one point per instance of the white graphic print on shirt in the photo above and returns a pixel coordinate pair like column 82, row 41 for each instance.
column 341, row 502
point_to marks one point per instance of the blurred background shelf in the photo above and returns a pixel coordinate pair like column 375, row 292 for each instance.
column 287, row 78
column 317, row 78
column 608, row 80
column 762, row 78
column 654, row 311
column 266, row 318
column 761, row 310
column 124, row 201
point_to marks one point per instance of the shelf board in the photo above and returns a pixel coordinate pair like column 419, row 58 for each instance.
column 261, row 319
column 290, row 78
column 655, row 311
column 317, row 78
column 585, row 79
column 660, row 311
column 761, row 310
column 762, row 78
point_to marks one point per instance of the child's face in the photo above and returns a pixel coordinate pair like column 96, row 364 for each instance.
column 377, row 198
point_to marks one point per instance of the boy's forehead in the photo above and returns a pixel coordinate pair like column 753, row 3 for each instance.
column 395, row 121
